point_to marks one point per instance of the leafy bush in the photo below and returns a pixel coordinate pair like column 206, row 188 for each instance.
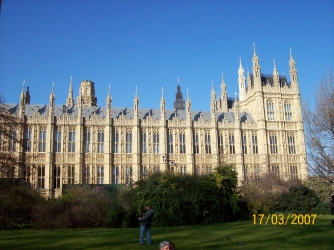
column 299, row 200
column 80, row 207
column 16, row 204
column 186, row 199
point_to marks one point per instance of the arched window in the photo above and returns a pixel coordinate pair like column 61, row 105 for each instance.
column 270, row 110
column 287, row 111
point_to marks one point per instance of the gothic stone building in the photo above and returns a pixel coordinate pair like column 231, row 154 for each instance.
column 81, row 142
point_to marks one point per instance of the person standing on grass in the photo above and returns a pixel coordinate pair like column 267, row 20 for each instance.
column 146, row 225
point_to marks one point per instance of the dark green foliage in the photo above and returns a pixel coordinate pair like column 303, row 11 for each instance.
column 186, row 199
column 299, row 200
column 323, row 208
column 79, row 207
column 16, row 203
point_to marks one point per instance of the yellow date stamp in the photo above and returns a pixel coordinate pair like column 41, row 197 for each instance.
column 283, row 220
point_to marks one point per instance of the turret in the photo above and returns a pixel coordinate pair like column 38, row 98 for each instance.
column 293, row 73
column 242, row 82
column 108, row 103
column 275, row 76
column 179, row 102
column 224, row 107
column 70, row 100
column 136, row 104
column 162, row 106
column 256, row 71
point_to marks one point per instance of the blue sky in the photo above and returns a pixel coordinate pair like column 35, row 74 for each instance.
column 150, row 44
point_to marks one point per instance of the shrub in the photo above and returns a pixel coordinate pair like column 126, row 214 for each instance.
column 16, row 204
column 299, row 200
column 185, row 199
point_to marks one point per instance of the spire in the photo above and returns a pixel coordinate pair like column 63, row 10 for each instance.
column 22, row 95
column 275, row 75
column 70, row 100
column 223, row 97
column 242, row 81
column 249, row 80
column 213, row 100
column 136, row 103
column 256, row 71
column 188, row 107
column 179, row 102
column 293, row 72
column 109, row 100
column 52, row 98
column 27, row 101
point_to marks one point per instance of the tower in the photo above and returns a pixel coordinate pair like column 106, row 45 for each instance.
column 242, row 82
column 87, row 93
column 70, row 100
column 179, row 102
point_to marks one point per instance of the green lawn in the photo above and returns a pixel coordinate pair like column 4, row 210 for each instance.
column 318, row 236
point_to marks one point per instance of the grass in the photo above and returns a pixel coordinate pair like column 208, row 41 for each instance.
column 318, row 236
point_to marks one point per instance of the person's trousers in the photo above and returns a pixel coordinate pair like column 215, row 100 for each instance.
column 148, row 234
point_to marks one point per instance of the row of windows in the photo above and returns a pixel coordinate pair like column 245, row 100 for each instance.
column 254, row 171
column 156, row 142
column 87, row 177
column 271, row 111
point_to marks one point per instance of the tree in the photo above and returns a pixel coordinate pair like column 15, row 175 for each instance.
column 319, row 129
column 11, row 141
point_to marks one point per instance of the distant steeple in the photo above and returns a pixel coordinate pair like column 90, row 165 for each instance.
column 223, row 93
column 136, row 102
column 256, row 71
column 293, row 71
column 70, row 100
column 179, row 102
column 275, row 75
column 52, row 97
column 108, row 100
column 242, row 81
column 27, row 96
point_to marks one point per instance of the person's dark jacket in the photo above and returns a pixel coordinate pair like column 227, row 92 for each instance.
column 147, row 219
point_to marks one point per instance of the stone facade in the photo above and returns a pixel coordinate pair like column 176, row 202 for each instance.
column 81, row 142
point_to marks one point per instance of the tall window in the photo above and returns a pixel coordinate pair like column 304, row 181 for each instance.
column 275, row 170
column 270, row 111
column 28, row 139
column 246, row 172
column 207, row 143
column 128, row 142
column 254, row 144
column 57, row 141
column 156, row 142
column 87, row 141
column 256, row 173
column 231, row 142
column 291, row 144
column 293, row 172
column 220, row 144
column 244, row 143
column 56, row 177
column 170, row 142
column 70, row 174
column 182, row 143
column 143, row 171
column 208, row 169
column 156, row 169
column 198, row 170
column 86, row 174
column 143, row 149
column 100, row 174
column 128, row 175
column 273, row 144
column 12, row 141
column 196, row 143
column 183, row 170
column 115, row 142
column 41, row 176
column 115, row 175
column 287, row 111
column 71, row 141
column 100, row 141
column 42, row 140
